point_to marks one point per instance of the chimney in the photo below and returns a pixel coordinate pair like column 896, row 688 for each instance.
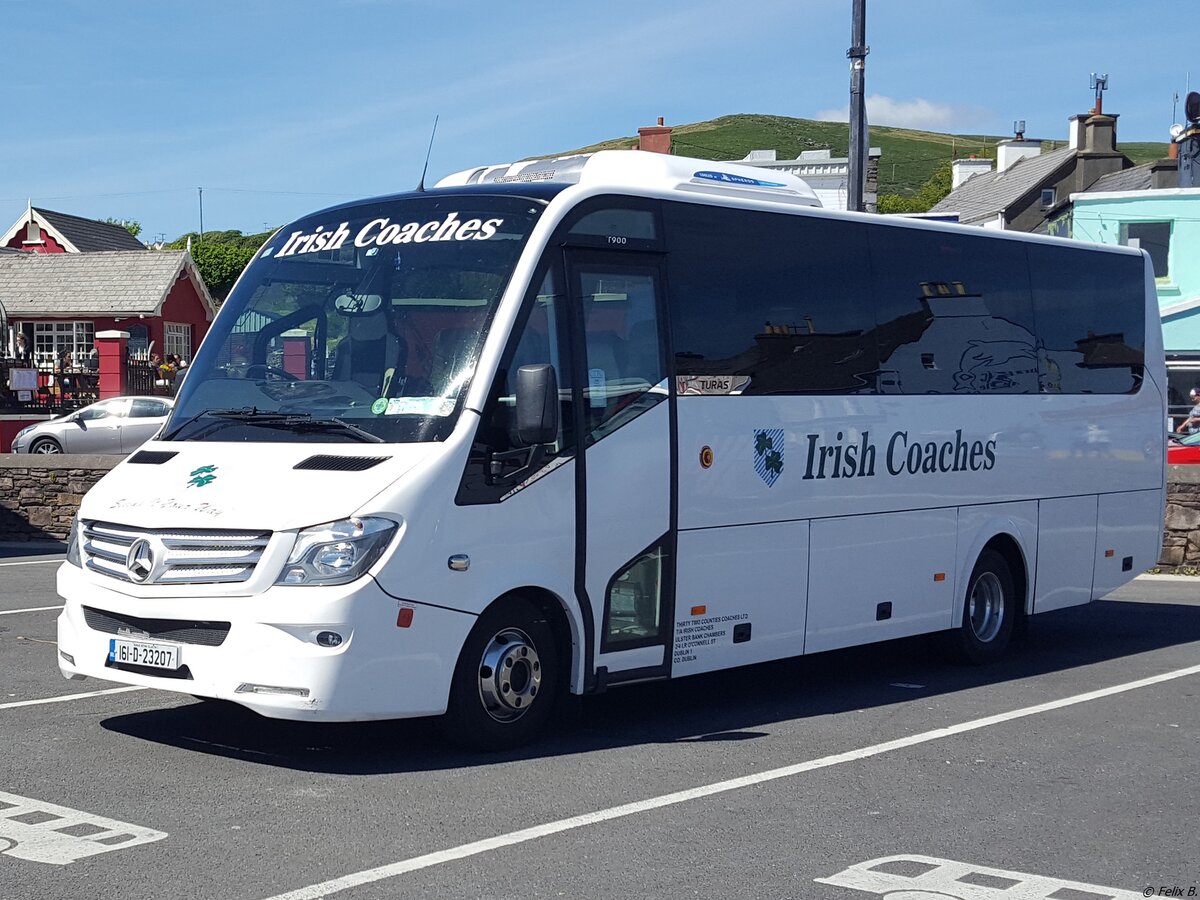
column 1100, row 134
column 1075, row 130
column 1009, row 152
column 655, row 138
column 1164, row 173
column 962, row 169
column 1098, row 155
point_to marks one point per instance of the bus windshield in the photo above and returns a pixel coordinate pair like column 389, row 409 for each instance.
column 358, row 324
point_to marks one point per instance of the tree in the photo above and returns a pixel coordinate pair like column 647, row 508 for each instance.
column 221, row 256
column 930, row 194
column 133, row 226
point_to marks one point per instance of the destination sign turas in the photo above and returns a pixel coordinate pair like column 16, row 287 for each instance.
column 383, row 231
column 857, row 459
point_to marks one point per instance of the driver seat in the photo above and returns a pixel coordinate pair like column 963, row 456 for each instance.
column 371, row 355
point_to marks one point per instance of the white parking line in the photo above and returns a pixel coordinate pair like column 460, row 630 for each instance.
column 346, row 882
column 13, row 612
column 45, row 833
column 33, row 562
column 66, row 697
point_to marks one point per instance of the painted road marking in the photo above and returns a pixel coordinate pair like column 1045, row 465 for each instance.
column 45, row 833
column 13, row 612
column 66, row 697
column 333, row 886
column 926, row 876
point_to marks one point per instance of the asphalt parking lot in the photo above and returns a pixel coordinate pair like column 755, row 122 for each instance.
column 1067, row 771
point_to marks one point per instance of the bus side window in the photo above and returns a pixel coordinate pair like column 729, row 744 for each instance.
column 542, row 341
column 625, row 373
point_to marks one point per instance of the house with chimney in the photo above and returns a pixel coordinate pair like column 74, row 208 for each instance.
column 1029, row 187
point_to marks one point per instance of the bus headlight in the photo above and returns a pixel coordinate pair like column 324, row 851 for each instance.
column 337, row 552
column 73, row 544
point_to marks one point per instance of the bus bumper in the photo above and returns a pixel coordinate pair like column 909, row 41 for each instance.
column 270, row 660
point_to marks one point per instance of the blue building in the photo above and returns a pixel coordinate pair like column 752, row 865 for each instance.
column 1133, row 209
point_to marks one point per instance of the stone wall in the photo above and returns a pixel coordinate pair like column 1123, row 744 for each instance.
column 39, row 495
column 1181, row 539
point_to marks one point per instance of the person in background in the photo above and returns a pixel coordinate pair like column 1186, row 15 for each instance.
column 63, row 368
column 1191, row 424
column 21, row 349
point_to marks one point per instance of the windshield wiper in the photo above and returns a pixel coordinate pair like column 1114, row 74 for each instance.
column 305, row 422
column 296, row 422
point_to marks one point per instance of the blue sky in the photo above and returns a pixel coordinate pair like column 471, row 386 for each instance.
column 280, row 107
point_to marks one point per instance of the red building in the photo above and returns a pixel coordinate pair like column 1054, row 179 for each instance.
column 59, row 301
column 75, row 277
column 46, row 231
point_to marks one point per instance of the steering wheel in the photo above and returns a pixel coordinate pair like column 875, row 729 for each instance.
column 269, row 371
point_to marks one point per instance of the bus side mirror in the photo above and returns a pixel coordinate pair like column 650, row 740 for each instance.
column 537, row 404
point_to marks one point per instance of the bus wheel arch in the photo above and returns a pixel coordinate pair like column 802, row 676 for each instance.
column 511, row 672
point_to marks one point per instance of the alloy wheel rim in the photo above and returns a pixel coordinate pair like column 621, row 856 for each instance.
column 985, row 611
column 510, row 675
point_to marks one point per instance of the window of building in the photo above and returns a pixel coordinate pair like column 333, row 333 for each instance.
column 1154, row 238
column 52, row 339
column 177, row 340
column 1049, row 197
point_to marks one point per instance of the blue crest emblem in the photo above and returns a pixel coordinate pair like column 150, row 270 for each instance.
column 768, row 454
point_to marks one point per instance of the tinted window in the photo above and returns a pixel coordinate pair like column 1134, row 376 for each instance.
column 147, row 409
column 954, row 313
column 1090, row 314
column 768, row 304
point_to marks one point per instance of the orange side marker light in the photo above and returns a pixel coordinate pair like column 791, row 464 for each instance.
column 404, row 617
column 699, row 610
column 939, row 576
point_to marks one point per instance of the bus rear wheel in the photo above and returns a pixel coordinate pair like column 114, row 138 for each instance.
column 989, row 611
column 506, row 681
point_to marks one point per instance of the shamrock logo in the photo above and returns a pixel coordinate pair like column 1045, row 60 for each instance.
column 768, row 454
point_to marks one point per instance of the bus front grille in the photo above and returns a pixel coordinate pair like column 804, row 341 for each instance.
column 172, row 555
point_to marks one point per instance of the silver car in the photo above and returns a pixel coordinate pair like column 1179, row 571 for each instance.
column 118, row 425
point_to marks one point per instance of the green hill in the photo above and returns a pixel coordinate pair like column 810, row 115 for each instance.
column 909, row 156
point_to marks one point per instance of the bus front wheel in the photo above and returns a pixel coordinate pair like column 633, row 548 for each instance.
column 506, row 680
column 989, row 611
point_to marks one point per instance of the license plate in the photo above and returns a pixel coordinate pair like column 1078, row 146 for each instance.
column 143, row 653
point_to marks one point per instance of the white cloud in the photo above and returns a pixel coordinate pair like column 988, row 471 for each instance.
column 917, row 113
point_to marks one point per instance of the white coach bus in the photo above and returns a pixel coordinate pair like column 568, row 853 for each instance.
column 553, row 427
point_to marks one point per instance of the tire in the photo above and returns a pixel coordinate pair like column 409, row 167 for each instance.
column 45, row 445
column 507, row 679
column 989, row 614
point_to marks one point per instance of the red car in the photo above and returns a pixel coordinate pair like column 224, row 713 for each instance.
column 1183, row 448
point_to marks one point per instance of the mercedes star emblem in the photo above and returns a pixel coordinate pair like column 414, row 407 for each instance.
column 140, row 560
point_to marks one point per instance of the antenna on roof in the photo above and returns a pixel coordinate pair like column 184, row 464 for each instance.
column 421, row 183
column 1099, row 84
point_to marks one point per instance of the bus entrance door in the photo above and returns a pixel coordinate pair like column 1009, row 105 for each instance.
column 626, row 567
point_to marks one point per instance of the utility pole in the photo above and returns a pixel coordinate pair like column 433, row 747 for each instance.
column 858, row 120
column 200, row 190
